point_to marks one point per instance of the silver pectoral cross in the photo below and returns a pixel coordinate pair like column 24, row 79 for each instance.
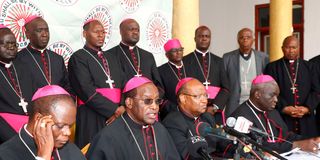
column 23, row 104
column 206, row 83
column 293, row 88
column 138, row 75
column 110, row 82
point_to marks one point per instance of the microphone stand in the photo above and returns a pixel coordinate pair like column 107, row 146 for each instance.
column 236, row 155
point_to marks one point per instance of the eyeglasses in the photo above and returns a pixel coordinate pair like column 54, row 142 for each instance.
column 174, row 50
column 149, row 101
column 7, row 45
column 198, row 97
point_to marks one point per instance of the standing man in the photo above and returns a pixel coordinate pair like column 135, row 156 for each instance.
column 134, row 60
column 97, row 80
column 45, row 66
column 209, row 70
column 182, row 125
column 136, row 134
column 171, row 73
column 16, row 87
column 46, row 135
column 242, row 65
column 260, row 110
column 297, row 100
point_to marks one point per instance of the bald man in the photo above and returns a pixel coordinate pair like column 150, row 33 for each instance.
column 298, row 98
column 46, row 135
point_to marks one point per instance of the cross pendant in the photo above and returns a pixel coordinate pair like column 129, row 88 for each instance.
column 293, row 88
column 206, row 83
column 138, row 75
column 23, row 104
column 110, row 82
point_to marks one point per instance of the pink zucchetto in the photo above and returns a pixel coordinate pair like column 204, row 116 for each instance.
column 263, row 78
column 172, row 43
column 182, row 82
column 31, row 18
column 135, row 82
column 49, row 90
column 3, row 26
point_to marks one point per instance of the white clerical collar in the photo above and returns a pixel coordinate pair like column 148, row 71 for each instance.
column 178, row 67
column 255, row 106
column 130, row 47
column 291, row 61
column 203, row 53
column 7, row 65
column 40, row 50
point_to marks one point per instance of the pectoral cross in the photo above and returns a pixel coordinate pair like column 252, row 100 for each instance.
column 293, row 88
column 138, row 75
column 206, row 83
column 110, row 82
column 23, row 104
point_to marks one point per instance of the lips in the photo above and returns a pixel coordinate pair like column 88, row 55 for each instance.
column 152, row 115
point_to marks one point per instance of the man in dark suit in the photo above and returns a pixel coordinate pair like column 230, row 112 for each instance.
column 242, row 65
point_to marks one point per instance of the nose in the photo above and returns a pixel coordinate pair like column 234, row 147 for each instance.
column 66, row 131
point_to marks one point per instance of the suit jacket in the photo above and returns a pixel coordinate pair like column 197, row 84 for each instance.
column 231, row 64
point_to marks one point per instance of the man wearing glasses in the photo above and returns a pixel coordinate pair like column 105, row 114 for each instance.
column 171, row 73
column 135, row 134
column 16, row 87
column 182, row 125
column 46, row 135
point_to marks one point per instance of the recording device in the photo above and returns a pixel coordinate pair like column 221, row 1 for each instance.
column 204, row 129
column 243, row 125
column 198, row 147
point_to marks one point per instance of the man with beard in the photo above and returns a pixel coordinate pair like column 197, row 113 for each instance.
column 97, row 80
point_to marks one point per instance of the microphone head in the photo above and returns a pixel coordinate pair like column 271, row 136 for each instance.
column 203, row 128
column 196, row 144
column 231, row 122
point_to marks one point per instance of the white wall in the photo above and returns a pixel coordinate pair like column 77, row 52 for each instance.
column 227, row 17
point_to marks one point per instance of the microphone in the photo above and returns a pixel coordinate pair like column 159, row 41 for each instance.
column 204, row 129
column 197, row 147
column 243, row 125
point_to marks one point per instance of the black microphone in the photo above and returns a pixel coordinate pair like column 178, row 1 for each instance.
column 204, row 129
column 198, row 147
column 231, row 122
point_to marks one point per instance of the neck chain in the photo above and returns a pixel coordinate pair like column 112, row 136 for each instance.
column 267, row 121
column 178, row 67
column 206, row 83
column 109, row 80
column 25, row 144
column 135, row 140
column 22, row 103
column 49, row 64
column 245, row 73
column 132, row 66
column 292, row 81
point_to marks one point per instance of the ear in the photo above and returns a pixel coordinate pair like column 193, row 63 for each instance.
column 84, row 34
column 182, row 98
column 129, row 102
column 257, row 95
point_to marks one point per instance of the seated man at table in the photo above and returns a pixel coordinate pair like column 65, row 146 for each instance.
column 47, row 133
column 260, row 110
column 135, row 134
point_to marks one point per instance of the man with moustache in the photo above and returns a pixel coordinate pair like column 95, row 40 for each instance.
column 298, row 99
column 16, row 87
column 46, row 135
column 242, row 65
column 135, row 61
column 135, row 134
column 97, row 80
column 46, row 67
